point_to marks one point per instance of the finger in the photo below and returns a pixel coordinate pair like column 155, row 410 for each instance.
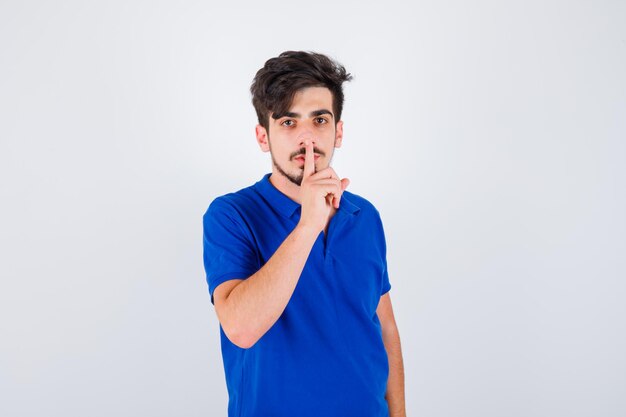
column 343, row 185
column 326, row 186
column 309, row 160
column 331, row 191
column 326, row 173
column 327, row 190
column 325, row 181
column 337, row 199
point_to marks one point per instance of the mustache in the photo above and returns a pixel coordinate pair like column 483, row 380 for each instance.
column 303, row 152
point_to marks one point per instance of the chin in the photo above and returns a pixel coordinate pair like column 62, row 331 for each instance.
column 296, row 179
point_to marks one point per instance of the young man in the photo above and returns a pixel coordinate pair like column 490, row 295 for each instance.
column 296, row 265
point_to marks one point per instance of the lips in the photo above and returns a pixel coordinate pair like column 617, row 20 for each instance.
column 301, row 158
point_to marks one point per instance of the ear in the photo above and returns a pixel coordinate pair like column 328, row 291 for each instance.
column 262, row 138
column 338, row 134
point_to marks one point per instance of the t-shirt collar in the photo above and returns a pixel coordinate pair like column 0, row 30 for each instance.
column 286, row 206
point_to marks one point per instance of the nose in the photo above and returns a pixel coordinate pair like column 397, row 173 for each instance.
column 304, row 136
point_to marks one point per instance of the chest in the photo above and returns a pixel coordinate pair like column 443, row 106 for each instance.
column 344, row 269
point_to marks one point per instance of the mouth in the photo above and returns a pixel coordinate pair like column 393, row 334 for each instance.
column 300, row 158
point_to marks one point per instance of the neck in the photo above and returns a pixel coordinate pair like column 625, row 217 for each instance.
column 285, row 186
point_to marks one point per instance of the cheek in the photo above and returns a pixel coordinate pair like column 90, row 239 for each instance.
column 281, row 151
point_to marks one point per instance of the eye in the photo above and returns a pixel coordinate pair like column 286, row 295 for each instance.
column 321, row 120
column 288, row 123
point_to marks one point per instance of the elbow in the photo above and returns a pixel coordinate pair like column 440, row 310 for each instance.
column 238, row 329
column 240, row 338
column 233, row 328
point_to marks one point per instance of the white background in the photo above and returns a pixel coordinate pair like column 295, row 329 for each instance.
column 490, row 136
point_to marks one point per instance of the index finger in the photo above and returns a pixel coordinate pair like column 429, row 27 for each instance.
column 309, row 160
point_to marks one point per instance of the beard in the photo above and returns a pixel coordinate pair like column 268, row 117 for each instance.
column 294, row 178
column 297, row 177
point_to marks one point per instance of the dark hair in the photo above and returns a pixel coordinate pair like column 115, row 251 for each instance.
column 275, row 84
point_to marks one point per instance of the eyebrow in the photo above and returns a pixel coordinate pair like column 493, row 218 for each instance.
column 312, row 114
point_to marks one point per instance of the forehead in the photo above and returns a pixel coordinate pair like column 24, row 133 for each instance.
column 318, row 97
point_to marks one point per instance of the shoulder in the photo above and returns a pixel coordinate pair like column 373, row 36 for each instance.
column 232, row 203
column 229, row 214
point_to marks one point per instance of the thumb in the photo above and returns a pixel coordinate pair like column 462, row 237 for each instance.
column 344, row 184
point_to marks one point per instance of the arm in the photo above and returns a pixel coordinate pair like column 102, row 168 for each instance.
column 247, row 309
column 391, row 339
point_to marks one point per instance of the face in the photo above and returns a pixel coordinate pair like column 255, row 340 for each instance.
column 309, row 117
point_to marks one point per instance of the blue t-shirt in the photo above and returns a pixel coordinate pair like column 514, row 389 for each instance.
column 325, row 356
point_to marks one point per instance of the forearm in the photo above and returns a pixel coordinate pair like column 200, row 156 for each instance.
column 395, row 383
column 255, row 304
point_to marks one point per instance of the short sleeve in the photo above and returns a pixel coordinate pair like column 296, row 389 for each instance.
column 228, row 249
column 386, row 285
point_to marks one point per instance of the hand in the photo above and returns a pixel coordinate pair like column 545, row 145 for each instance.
column 319, row 191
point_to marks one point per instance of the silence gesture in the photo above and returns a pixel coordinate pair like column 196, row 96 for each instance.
column 319, row 191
